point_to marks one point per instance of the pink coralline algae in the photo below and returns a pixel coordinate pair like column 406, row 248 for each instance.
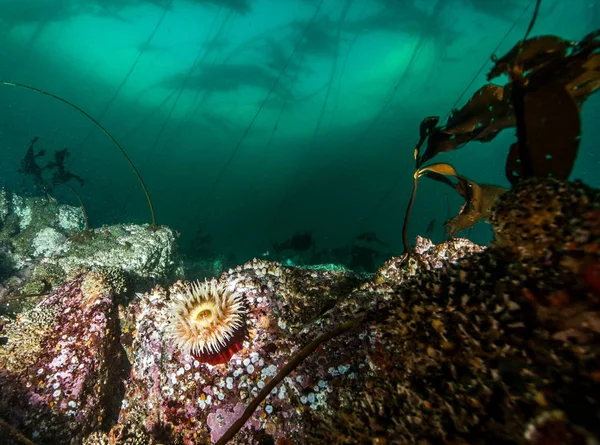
column 496, row 345
column 60, row 367
column 220, row 421
column 186, row 400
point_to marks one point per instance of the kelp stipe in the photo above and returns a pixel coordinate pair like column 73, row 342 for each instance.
column 549, row 80
column 104, row 130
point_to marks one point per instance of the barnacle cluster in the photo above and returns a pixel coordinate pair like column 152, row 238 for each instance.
column 547, row 216
column 205, row 318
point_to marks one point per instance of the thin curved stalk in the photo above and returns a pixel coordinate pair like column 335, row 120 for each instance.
column 407, row 214
column 104, row 130
column 199, row 57
column 233, row 154
column 298, row 358
column 132, row 67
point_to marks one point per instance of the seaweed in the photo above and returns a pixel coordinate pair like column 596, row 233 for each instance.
column 29, row 166
column 550, row 78
column 223, row 170
column 553, row 79
column 104, row 130
column 242, row 7
column 141, row 53
column 62, row 175
column 479, row 198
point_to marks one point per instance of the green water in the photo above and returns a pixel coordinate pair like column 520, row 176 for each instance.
column 258, row 119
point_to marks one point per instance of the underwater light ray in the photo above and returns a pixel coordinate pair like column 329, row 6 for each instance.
column 283, row 107
column 223, row 170
column 131, row 69
column 141, row 122
column 99, row 125
column 193, row 66
column 345, row 11
column 341, row 76
column 393, row 185
column 392, row 93
column 487, row 59
column 195, row 105
column 136, row 61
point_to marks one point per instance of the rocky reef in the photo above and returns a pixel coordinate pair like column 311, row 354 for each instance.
column 43, row 244
column 453, row 343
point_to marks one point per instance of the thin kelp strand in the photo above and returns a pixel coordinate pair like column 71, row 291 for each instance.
column 223, row 170
column 104, row 130
column 487, row 59
column 202, row 52
column 136, row 61
column 298, row 358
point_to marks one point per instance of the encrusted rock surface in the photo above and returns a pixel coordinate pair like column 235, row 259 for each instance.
column 454, row 344
column 43, row 243
column 61, row 363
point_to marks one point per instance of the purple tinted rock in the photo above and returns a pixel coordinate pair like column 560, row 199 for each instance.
column 180, row 398
column 60, row 369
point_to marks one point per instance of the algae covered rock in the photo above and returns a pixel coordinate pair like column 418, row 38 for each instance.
column 51, row 240
column 61, row 363
column 149, row 254
column 453, row 344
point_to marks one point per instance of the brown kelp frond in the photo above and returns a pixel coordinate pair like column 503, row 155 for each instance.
column 553, row 129
column 104, row 130
column 479, row 198
column 549, row 80
column 533, row 54
column 547, row 65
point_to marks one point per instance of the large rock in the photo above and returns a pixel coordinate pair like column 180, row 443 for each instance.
column 452, row 344
column 61, row 363
column 43, row 243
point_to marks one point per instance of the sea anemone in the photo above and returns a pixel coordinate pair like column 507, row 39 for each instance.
column 207, row 321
